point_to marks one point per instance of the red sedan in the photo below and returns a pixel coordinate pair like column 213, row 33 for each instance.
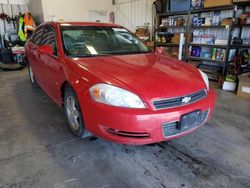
column 111, row 85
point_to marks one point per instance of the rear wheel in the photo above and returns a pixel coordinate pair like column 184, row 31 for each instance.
column 74, row 114
column 32, row 78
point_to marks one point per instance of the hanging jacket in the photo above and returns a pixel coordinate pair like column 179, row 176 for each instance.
column 21, row 33
column 29, row 24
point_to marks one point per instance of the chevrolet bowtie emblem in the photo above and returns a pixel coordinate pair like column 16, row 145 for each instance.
column 186, row 100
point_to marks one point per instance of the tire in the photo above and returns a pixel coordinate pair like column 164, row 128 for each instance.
column 74, row 115
column 32, row 78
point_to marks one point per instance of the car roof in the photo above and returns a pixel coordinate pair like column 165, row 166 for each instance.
column 81, row 24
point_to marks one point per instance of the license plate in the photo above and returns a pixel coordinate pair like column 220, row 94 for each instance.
column 190, row 120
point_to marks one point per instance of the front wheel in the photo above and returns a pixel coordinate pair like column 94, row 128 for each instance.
column 74, row 114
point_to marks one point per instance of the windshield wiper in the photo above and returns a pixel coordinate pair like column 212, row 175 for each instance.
column 108, row 54
column 127, row 53
column 82, row 55
column 89, row 55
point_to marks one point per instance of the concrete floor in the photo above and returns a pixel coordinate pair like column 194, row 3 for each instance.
column 37, row 150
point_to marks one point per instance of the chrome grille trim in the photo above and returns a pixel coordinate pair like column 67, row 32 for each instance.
column 170, row 129
column 175, row 102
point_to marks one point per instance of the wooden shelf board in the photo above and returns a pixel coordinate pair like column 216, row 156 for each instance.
column 204, row 59
column 242, row 25
column 240, row 46
column 166, row 44
column 228, row 7
column 242, row 3
column 173, row 13
column 167, row 27
column 210, row 26
column 209, row 45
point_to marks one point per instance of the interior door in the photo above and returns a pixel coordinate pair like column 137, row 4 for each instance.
column 51, row 64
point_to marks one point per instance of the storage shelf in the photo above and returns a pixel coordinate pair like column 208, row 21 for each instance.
column 240, row 46
column 204, row 59
column 173, row 13
column 242, row 25
column 209, row 45
column 167, row 44
column 229, row 7
column 210, row 26
column 189, row 29
column 167, row 27
column 242, row 3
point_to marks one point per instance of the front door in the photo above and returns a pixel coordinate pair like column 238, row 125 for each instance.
column 51, row 64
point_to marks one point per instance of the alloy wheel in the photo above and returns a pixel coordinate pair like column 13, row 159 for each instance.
column 72, row 113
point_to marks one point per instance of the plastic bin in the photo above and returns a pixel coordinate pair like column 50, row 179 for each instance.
column 179, row 5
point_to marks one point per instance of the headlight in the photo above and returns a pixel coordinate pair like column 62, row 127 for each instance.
column 205, row 78
column 115, row 96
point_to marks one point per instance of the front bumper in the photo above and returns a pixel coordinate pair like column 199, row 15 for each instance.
column 139, row 126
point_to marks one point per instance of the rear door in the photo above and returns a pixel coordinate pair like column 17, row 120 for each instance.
column 33, row 53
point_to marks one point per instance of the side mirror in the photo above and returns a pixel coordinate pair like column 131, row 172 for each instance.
column 46, row 49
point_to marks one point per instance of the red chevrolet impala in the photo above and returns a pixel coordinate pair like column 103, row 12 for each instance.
column 112, row 86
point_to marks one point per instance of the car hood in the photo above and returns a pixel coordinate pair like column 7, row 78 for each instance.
column 151, row 76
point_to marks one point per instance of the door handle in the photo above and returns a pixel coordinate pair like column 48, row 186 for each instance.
column 37, row 54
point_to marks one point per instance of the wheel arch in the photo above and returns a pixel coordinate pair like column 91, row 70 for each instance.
column 67, row 84
column 64, row 85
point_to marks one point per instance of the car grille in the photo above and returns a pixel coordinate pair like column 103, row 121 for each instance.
column 180, row 101
column 171, row 129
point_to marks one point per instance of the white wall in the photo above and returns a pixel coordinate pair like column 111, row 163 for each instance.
column 37, row 11
column 133, row 13
column 74, row 10
column 129, row 13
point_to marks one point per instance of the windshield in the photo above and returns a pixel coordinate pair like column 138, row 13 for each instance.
column 84, row 41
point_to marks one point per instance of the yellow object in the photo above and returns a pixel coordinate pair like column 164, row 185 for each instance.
column 158, row 39
column 176, row 38
column 163, row 39
column 21, row 34
column 226, row 21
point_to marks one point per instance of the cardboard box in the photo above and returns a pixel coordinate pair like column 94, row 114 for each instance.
column 226, row 21
column 150, row 45
column 244, row 86
column 229, row 86
column 176, row 38
column 216, row 3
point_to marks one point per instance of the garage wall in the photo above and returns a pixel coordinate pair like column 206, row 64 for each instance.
column 74, row 10
column 133, row 13
column 13, row 2
column 37, row 11
column 129, row 13
column 6, row 4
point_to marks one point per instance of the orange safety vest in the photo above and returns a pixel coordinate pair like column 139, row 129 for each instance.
column 29, row 24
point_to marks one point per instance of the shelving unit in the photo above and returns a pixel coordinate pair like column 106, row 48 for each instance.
column 188, row 29
column 209, row 26
column 208, row 45
column 167, row 44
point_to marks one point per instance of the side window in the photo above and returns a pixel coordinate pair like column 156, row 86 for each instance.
column 37, row 38
column 49, row 38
